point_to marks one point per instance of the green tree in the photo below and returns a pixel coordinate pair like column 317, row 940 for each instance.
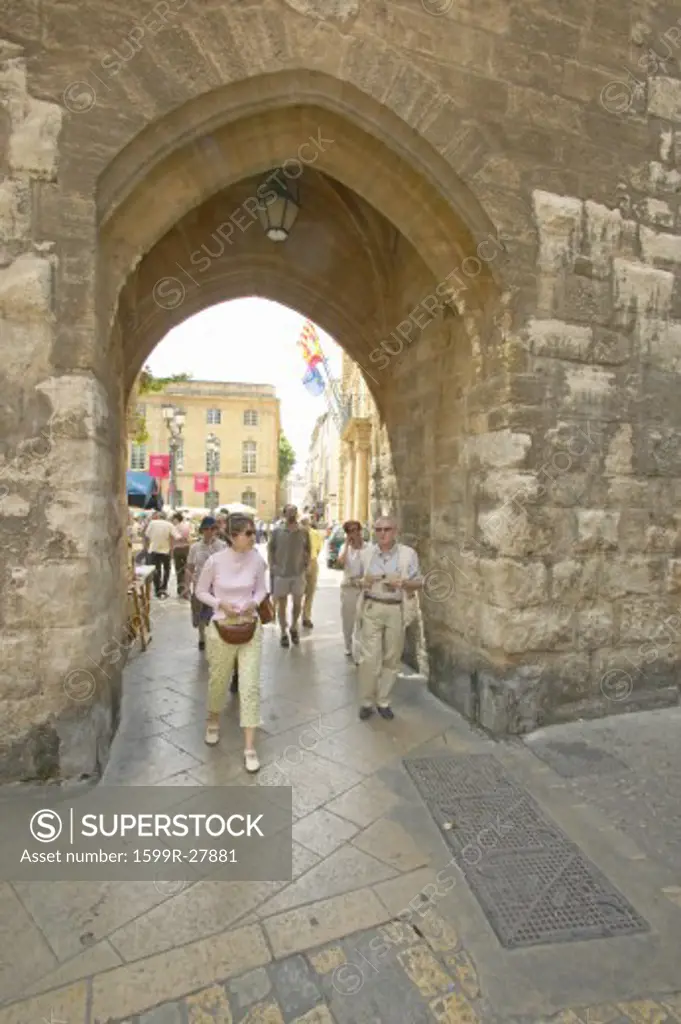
column 287, row 457
column 147, row 384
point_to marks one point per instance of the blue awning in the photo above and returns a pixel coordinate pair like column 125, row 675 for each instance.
column 141, row 488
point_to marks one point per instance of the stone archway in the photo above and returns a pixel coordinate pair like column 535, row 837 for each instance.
column 535, row 426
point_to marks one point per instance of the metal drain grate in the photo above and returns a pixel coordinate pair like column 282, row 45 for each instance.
column 533, row 883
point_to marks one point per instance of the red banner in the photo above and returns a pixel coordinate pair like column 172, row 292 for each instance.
column 159, row 466
column 201, row 483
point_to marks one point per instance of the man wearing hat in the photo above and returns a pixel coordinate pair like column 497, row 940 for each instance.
column 199, row 553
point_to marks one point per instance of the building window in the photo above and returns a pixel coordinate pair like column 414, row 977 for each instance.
column 251, row 418
column 141, row 410
column 138, row 456
column 212, row 461
column 249, row 498
column 213, row 416
column 212, row 499
column 248, row 457
column 179, row 457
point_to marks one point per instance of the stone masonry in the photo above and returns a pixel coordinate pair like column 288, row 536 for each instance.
column 490, row 226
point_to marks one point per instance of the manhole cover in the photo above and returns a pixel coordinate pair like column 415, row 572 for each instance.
column 533, row 883
column 572, row 760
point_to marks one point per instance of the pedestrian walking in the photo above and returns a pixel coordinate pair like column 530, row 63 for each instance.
column 350, row 561
column 233, row 583
column 199, row 553
column 390, row 580
column 312, row 572
column 288, row 554
column 182, row 532
column 160, row 540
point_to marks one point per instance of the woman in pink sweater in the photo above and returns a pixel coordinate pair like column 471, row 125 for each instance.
column 232, row 582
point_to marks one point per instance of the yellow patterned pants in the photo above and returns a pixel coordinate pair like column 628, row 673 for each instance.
column 221, row 660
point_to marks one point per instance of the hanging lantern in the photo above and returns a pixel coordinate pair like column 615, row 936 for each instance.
column 279, row 203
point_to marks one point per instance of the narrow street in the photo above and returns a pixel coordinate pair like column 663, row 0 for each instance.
column 378, row 923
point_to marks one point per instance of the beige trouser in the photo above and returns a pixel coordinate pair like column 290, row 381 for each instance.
column 311, row 577
column 221, row 660
column 381, row 649
column 348, row 596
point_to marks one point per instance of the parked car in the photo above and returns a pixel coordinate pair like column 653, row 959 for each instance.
column 335, row 543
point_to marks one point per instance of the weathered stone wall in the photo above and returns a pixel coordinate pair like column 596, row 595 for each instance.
column 534, row 428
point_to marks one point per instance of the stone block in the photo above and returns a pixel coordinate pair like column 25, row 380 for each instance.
column 620, row 452
column 26, row 289
column 574, row 580
column 499, row 449
column 664, row 346
column 590, row 386
column 595, row 627
column 660, row 246
column 647, row 619
column 510, row 701
column 664, row 98
column 640, row 291
column 531, row 629
column 597, row 529
column 610, row 348
column 76, row 399
column 559, row 223
column 559, row 339
column 673, row 579
column 15, row 209
column 603, row 233
column 511, row 584
column 508, row 486
column 33, row 143
column 655, row 211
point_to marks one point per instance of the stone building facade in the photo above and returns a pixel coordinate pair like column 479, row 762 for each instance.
column 322, row 469
column 489, row 225
column 245, row 420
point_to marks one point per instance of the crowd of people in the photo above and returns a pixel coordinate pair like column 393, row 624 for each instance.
column 225, row 580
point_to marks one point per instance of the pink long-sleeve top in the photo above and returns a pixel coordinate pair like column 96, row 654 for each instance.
column 231, row 577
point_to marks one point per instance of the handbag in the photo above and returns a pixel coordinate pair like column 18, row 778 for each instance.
column 237, row 632
column 266, row 610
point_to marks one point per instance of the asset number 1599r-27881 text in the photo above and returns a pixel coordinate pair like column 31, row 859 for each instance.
column 167, row 856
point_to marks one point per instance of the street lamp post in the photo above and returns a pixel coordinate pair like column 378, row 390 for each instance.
column 213, row 450
column 174, row 420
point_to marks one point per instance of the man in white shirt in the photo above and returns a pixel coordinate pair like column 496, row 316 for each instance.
column 160, row 540
column 390, row 579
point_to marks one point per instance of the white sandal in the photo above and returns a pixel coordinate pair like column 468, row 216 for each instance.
column 251, row 761
column 212, row 734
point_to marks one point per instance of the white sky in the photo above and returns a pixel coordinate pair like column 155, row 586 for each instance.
column 250, row 341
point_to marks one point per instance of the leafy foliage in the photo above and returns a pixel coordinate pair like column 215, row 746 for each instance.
column 147, row 384
column 287, row 457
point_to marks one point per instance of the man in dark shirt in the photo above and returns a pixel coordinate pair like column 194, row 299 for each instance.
column 288, row 554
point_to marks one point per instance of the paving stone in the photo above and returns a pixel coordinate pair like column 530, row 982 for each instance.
column 327, row 960
column 388, row 841
column 323, row 832
column 294, row 985
column 168, row 1013
column 64, row 1004
column 262, row 1013
column 138, row 986
column 319, row 1015
column 342, row 871
column 462, row 970
column 250, row 987
column 317, row 923
column 364, row 803
column 210, row 1006
column 425, row 971
column 453, row 1009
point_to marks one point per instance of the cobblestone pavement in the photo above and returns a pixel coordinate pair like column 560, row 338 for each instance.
column 376, row 925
